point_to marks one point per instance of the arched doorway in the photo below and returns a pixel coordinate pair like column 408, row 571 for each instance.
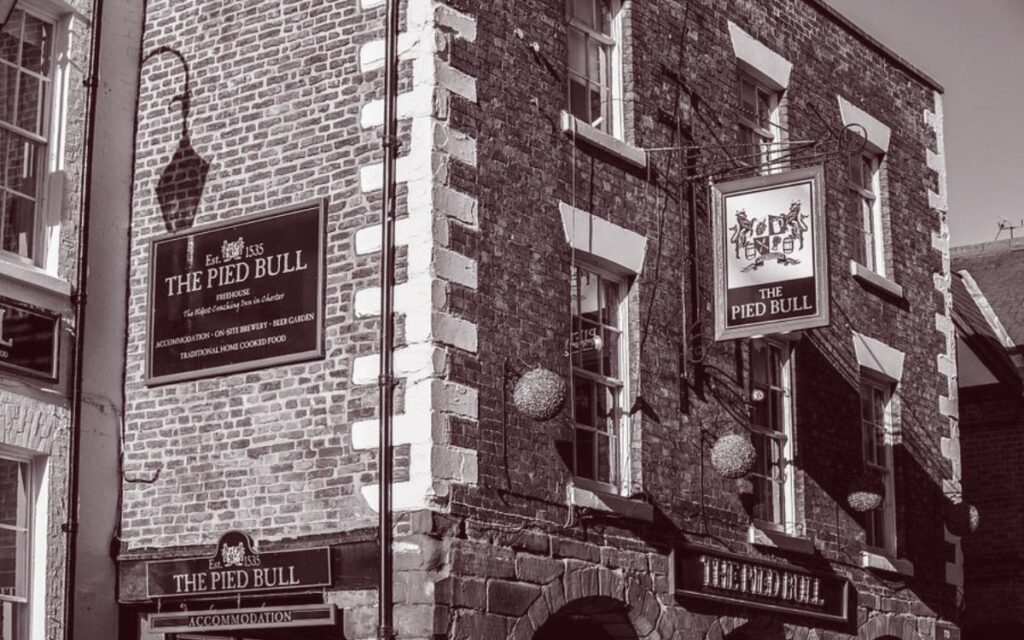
column 883, row 627
column 758, row 629
column 594, row 618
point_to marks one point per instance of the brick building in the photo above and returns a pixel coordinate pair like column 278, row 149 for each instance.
column 66, row 106
column 42, row 132
column 990, row 331
column 564, row 167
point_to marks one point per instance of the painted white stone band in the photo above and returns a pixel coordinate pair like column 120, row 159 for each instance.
column 759, row 58
column 878, row 357
column 606, row 240
column 877, row 133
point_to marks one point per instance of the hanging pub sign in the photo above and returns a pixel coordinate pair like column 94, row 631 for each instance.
column 710, row 574
column 238, row 567
column 29, row 340
column 307, row 615
column 771, row 273
column 240, row 295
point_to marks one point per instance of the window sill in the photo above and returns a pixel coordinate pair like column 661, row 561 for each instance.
column 34, row 286
column 602, row 501
column 766, row 537
column 15, row 599
column 871, row 279
column 597, row 138
column 884, row 562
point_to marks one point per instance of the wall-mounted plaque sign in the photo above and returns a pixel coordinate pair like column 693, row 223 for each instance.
column 724, row 577
column 29, row 340
column 771, row 273
column 239, row 295
column 946, row 631
column 313, row 615
column 238, row 567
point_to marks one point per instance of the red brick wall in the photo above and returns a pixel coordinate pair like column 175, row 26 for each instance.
column 992, row 450
column 275, row 98
column 276, row 93
column 284, row 103
column 680, row 69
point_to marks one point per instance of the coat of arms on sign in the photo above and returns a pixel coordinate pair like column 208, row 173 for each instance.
column 232, row 250
column 235, row 549
column 772, row 237
column 233, row 556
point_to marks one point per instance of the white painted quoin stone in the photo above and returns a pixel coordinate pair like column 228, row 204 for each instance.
column 430, row 399
column 945, row 362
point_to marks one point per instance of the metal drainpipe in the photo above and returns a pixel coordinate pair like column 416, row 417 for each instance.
column 81, row 274
column 385, row 381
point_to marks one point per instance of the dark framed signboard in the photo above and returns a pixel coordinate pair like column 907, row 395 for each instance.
column 315, row 615
column 239, row 295
column 710, row 574
column 238, row 567
column 771, row 268
column 29, row 340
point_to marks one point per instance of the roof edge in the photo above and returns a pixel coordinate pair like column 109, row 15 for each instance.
column 986, row 309
column 981, row 249
column 874, row 43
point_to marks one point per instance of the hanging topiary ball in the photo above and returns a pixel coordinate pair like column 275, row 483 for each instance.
column 732, row 456
column 962, row 518
column 867, row 492
column 539, row 394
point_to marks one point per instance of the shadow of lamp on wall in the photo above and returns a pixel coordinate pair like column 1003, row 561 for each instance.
column 181, row 183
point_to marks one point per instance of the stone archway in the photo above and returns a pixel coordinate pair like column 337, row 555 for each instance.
column 889, row 627
column 598, row 618
column 619, row 605
column 759, row 629
column 734, row 628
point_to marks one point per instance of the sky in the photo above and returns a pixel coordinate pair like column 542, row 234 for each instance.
column 975, row 50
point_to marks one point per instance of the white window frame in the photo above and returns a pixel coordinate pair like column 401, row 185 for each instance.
column 869, row 207
column 50, row 187
column 786, row 520
column 613, row 43
column 771, row 72
column 620, row 253
column 883, row 519
column 32, row 607
column 769, row 133
column 620, row 466
column 874, row 138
